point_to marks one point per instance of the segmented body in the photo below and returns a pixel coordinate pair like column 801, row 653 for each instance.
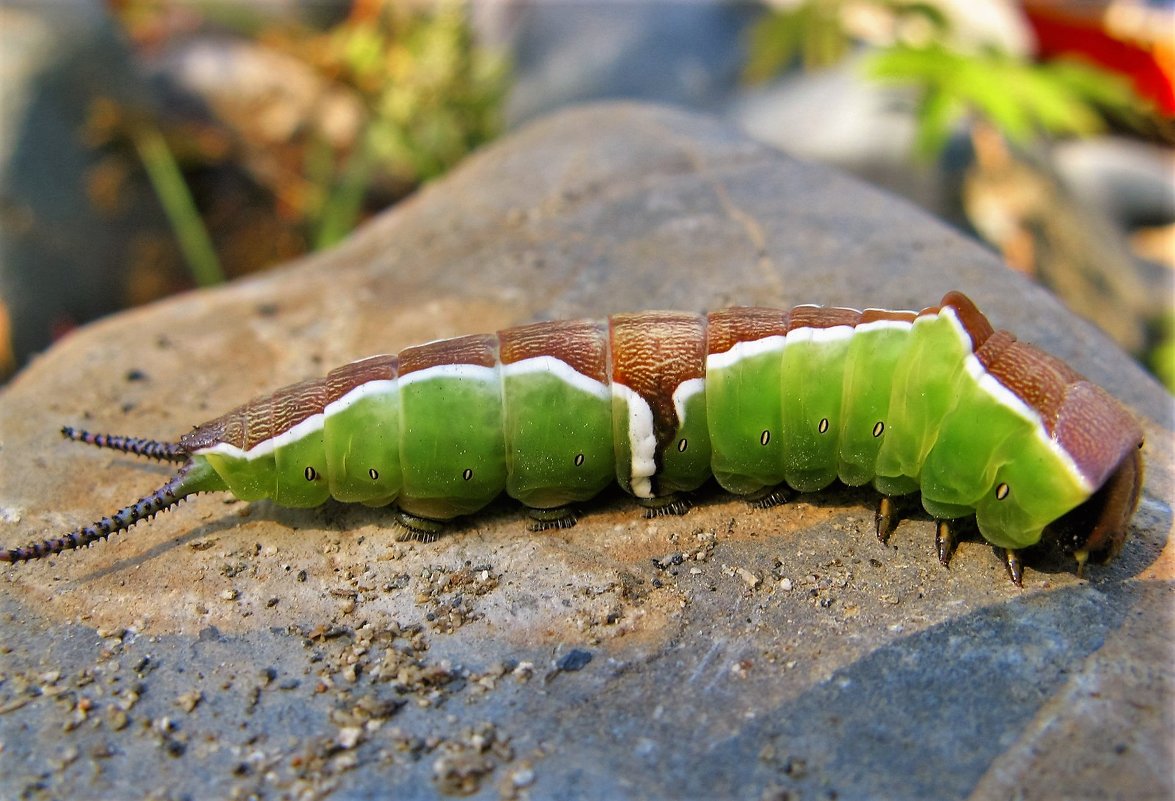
column 551, row 413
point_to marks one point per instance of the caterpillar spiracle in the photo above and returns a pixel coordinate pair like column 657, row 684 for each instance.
column 762, row 400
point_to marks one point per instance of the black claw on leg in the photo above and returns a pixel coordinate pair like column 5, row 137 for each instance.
column 1014, row 565
column 944, row 542
column 887, row 518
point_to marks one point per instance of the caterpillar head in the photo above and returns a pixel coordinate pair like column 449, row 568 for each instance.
column 1100, row 436
column 1097, row 528
column 1105, row 441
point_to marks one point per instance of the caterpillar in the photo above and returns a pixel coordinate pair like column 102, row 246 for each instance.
column 763, row 400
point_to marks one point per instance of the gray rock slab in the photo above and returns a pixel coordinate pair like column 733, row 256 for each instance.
column 232, row 650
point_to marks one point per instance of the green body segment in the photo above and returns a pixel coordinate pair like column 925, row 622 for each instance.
column 1009, row 476
column 685, row 465
column 812, row 373
column 873, row 354
column 248, row 479
column 923, row 391
column 452, row 452
column 558, row 439
column 986, row 434
column 1039, row 491
column 301, row 470
column 892, row 403
column 362, row 441
column 744, row 405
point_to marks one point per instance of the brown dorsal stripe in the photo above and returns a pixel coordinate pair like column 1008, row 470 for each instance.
column 652, row 354
column 990, row 350
column 743, row 324
column 822, row 317
column 1096, row 431
column 343, row 379
column 262, row 418
column 228, row 428
column 267, row 417
column 974, row 322
column 480, row 349
column 582, row 344
column 878, row 315
column 1032, row 375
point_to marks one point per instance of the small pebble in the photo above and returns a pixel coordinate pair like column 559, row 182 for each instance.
column 189, row 701
column 575, row 659
column 523, row 777
column 749, row 578
column 349, row 736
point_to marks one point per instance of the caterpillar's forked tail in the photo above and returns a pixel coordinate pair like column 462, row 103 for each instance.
column 148, row 448
column 193, row 478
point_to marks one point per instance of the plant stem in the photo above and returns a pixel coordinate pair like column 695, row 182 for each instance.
column 178, row 205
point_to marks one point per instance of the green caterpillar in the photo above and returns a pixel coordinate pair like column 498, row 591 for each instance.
column 762, row 400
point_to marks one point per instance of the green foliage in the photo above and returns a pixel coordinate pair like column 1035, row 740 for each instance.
column 811, row 33
column 178, row 204
column 1021, row 99
column 431, row 95
column 410, row 94
column 1162, row 357
column 814, row 33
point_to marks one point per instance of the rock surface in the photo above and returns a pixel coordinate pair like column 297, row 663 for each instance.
column 230, row 650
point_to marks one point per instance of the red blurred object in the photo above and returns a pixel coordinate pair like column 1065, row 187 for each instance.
column 1132, row 37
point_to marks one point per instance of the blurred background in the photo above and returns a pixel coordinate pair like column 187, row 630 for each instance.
column 152, row 146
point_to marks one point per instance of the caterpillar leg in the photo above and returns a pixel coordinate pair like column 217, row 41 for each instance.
column 544, row 519
column 770, row 496
column 421, row 529
column 1014, row 566
column 672, row 504
column 891, row 510
column 945, row 542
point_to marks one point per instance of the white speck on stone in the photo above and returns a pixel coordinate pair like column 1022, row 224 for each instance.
column 749, row 578
column 349, row 736
column 523, row 777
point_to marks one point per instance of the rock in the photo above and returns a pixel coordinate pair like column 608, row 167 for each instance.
column 689, row 54
column 880, row 673
column 76, row 218
column 1128, row 180
column 839, row 117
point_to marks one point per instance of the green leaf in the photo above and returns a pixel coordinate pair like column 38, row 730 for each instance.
column 937, row 117
column 1021, row 99
column 772, row 46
